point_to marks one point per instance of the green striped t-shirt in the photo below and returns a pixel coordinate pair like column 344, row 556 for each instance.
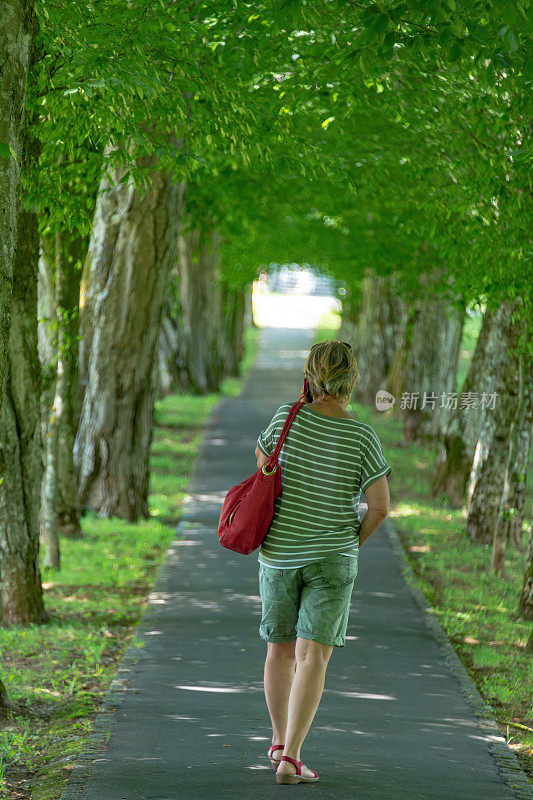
column 326, row 462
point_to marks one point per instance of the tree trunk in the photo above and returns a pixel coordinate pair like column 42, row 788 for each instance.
column 500, row 530
column 395, row 380
column 492, row 452
column 124, row 289
column 456, row 453
column 47, row 339
column 232, row 338
column 67, row 478
column 51, row 492
column 192, row 333
column 380, row 321
column 21, row 444
column 525, row 605
column 171, row 373
column 201, row 312
column 431, row 370
column 248, row 311
column 515, row 508
column 73, row 252
column 495, row 352
column 17, row 31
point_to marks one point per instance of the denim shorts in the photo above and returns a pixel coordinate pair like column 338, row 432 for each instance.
column 312, row 602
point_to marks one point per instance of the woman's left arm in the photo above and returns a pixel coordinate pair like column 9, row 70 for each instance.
column 269, row 436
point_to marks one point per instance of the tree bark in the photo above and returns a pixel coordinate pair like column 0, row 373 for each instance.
column 234, row 321
column 20, row 442
column 51, row 492
column 200, row 368
column 380, row 321
column 515, row 507
column 191, row 345
column 47, row 341
column 500, row 531
column 17, row 31
column 525, row 605
column 492, row 451
column 494, row 352
column 73, row 247
column 395, row 380
column 431, row 369
column 171, row 373
column 248, row 311
column 123, row 293
column 74, row 252
column 456, row 452
column 199, row 282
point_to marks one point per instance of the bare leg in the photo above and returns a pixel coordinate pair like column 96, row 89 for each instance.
column 311, row 663
column 279, row 674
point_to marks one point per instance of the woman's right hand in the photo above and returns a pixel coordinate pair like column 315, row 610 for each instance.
column 303, row 396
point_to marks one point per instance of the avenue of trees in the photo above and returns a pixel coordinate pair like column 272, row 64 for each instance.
column 154, row 155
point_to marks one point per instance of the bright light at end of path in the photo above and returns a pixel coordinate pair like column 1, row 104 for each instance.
column 277, row 310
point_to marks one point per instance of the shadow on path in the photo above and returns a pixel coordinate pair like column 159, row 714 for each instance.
column 186, row 716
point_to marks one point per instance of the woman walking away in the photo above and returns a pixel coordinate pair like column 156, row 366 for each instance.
column 308, row 561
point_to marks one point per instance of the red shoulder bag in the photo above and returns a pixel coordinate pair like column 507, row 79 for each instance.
column 248, row 508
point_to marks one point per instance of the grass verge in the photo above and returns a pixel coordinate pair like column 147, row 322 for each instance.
column 56, row 674
column 476, row 608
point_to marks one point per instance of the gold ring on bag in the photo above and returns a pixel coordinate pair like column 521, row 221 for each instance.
column 266, row 472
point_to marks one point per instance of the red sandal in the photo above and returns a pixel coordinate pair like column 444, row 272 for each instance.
column 272, row 749
column 283, row 777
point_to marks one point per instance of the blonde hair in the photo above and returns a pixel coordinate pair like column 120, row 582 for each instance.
column 330, row 368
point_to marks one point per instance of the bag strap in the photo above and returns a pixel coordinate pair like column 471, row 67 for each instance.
column 288, row 422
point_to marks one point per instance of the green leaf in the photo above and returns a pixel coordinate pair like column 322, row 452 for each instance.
column 510, row 15
column 510, row 41
column 455, row 51
column 457, row 28
column 382, row 23
column 6, row 151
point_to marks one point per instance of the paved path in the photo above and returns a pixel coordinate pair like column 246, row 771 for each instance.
column 187, row 715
